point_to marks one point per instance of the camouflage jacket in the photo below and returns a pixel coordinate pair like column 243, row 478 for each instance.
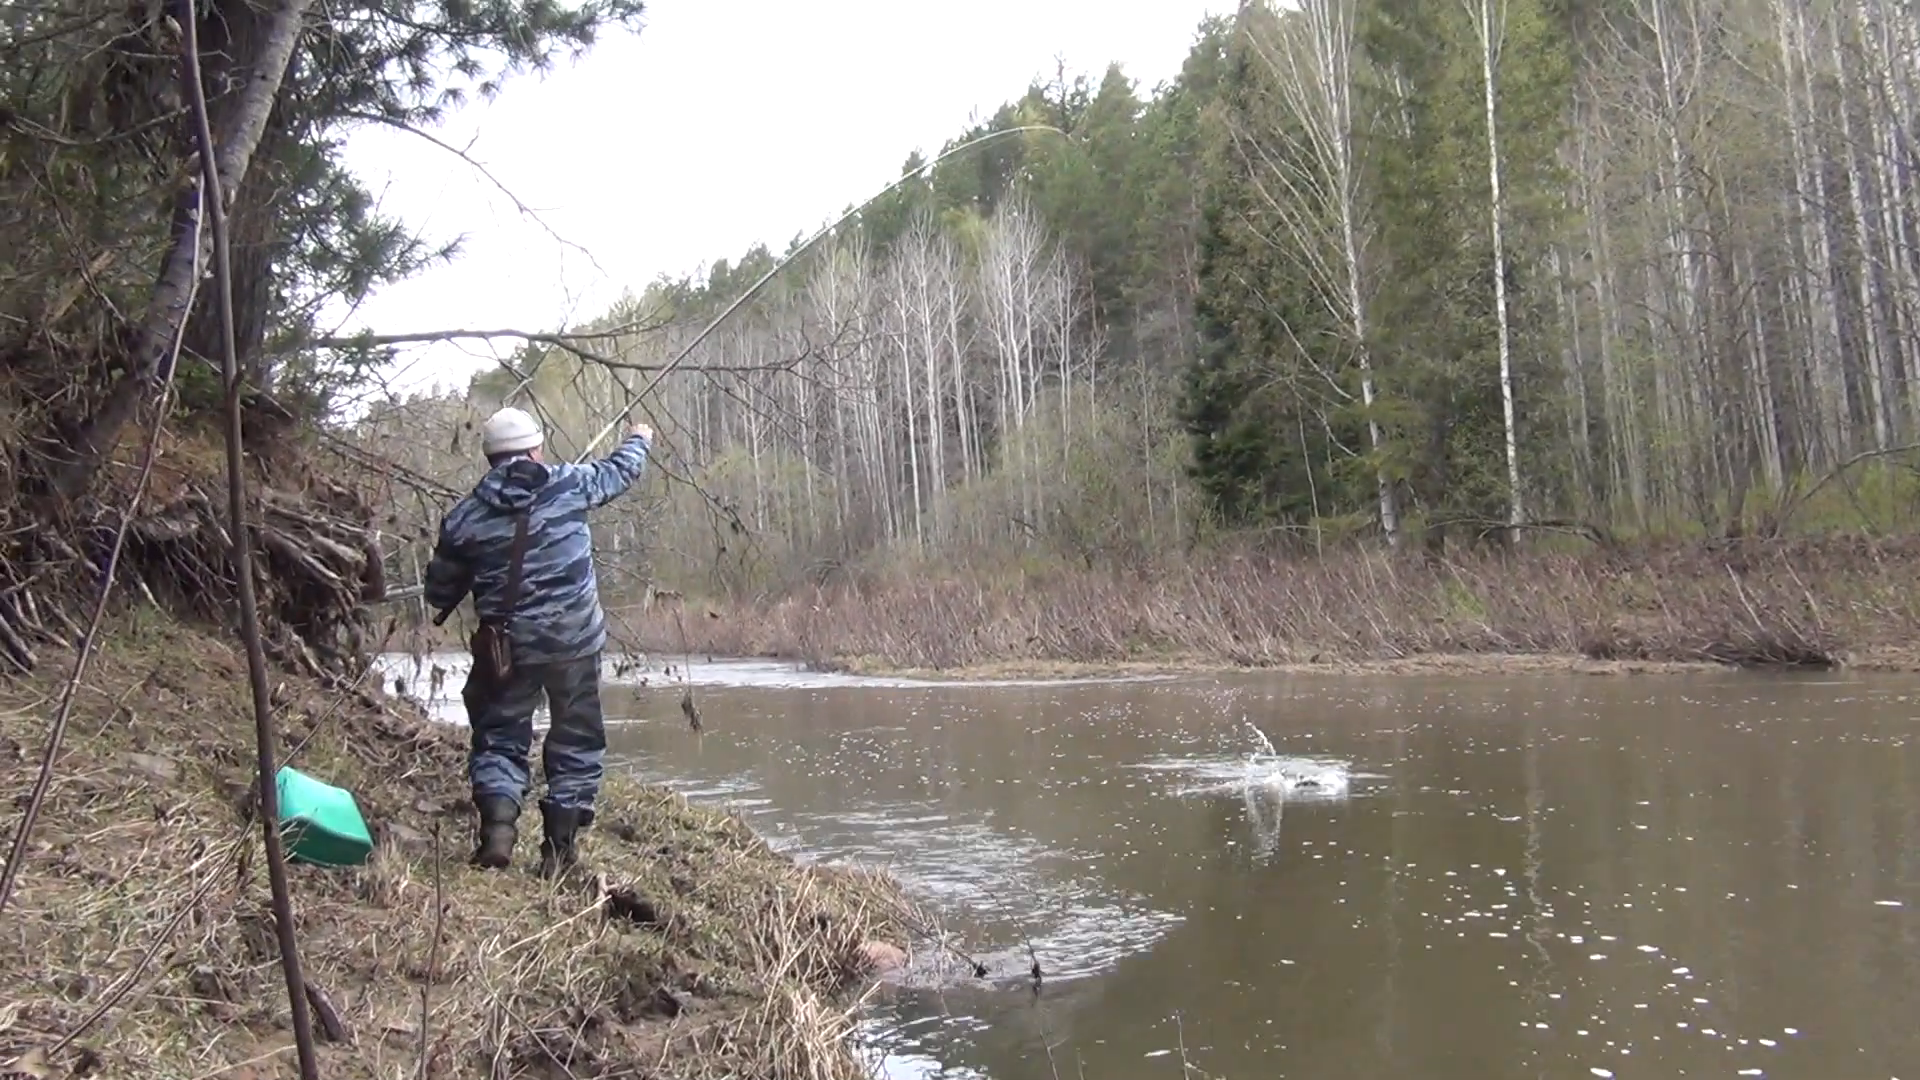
column 558, row 616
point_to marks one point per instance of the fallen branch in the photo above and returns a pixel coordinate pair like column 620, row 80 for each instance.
column 433, row 957
column 1779, row 523
column 14, row 648
column 428, row 337
column 282, row 34
column 1597, row 535
column 316, row 566
column 566, row 342
column 331, row 1027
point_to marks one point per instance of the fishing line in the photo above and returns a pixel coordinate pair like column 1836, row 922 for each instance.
column 688, row 706
column 784, row 262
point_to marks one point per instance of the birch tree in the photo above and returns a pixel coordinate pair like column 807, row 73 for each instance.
column 1490, row 24
column 1310, row 174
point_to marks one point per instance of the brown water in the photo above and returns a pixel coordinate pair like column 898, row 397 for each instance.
column 1537, row 876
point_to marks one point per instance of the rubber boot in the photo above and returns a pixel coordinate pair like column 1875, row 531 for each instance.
column 497, row 831
column 561, row 826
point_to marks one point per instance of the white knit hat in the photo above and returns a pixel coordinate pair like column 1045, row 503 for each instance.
column 509, row 431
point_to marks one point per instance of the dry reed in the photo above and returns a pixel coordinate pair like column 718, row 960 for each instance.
column 1836, row 600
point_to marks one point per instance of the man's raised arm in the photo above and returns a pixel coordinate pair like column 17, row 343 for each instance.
column 610, row 477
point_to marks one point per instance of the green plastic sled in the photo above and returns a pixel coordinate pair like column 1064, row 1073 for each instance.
column 321, row 823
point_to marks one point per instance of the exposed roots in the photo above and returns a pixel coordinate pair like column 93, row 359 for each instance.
column 317, row 553
column 319, row 563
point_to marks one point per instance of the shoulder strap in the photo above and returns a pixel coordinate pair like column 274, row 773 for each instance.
column 516, row 561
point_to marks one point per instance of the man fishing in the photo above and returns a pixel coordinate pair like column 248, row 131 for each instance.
column 519, row 543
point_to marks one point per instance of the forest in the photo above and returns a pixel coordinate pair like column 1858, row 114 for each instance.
column 1369, row 301
column 1446, row 275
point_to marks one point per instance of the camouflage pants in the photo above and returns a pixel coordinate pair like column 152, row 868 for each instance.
column 502, row 722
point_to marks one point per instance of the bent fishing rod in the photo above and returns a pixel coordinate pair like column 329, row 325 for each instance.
column 754, row 290
column 787, row 260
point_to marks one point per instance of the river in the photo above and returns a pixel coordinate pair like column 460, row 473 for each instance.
column 1460, row 878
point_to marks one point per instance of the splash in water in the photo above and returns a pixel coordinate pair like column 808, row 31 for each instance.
column 1266, row 744
column 1300, row 778
column 1264, row 773
column 1294, row 777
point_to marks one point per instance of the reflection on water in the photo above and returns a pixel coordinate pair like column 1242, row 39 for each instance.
column 1285, row 876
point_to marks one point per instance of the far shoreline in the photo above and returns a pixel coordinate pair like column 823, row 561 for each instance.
column 1818, row 604
column 1882, row 661
column 1433, row 664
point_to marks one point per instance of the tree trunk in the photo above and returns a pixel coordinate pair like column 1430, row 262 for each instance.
column 1829, row 381
column 1312, row 62
column 1766, row 418
column 252, row 223
column 1871, row 280
column 238, row 136
column 1490, row 31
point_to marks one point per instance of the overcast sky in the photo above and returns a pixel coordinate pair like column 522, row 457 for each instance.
column 722, row 124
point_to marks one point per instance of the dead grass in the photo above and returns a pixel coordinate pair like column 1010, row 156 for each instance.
column 1822, row 602
column 693, row 951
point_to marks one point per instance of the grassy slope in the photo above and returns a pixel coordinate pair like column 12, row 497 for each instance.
column 737, row 964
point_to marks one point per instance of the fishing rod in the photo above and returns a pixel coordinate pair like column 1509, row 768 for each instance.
column 754, row 290
column 687, row 704
column 727, row 312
